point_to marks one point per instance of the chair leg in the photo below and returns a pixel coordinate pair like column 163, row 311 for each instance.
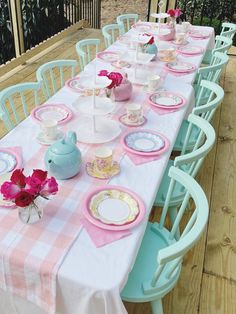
column 157, row 307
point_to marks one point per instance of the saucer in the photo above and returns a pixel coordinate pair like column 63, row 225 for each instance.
column 123, row 119
column 183, row 43
column 44, row 141
column 93, row 172
column 148, row 90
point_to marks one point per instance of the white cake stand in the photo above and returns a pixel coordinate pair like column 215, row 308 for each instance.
column 97, row 130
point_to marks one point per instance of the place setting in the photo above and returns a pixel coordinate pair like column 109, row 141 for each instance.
column 103, row 166
column 199, row 34
column 49, row 132
column 59, row 112
column 190, row 50
column 164, row 102
column 75, row 84
column 180, row 67
column 144, row 145
column 134, row 116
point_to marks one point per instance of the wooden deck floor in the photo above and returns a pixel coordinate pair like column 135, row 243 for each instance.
column 208, row 281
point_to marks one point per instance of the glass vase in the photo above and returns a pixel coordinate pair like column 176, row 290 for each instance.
column 31, row 213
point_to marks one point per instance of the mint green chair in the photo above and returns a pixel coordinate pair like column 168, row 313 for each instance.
column 13, row 100
column 190, row 162
column 213, row 95
column 126, row 21
column 85, row 49
column 52, row 75
column 228, row 30
column 158, row 264
column 110, row 33
column 222, row 44
column 213, row 71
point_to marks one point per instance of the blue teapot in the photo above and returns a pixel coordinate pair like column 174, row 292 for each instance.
column 63, row 158
column 152, row 49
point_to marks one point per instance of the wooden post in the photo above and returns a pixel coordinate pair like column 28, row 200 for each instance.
column 17, row 27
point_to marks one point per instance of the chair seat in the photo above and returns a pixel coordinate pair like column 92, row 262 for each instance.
column 145, row 265
column 181, row 137
column 178, row 192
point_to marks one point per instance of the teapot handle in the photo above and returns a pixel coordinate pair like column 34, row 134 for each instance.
column 72, row 137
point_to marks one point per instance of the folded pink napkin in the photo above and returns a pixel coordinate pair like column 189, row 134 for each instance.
column 139, row 160
column 101, row 237
column 162, row 111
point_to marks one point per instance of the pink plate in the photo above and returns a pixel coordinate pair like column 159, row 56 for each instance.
column 16, row 154
column 108, row 56
column 199, row 34
column 142, row 153
column 74, row 84
column 100, row 224
column 190, row 50
column 59, row 112
column 180, row 67
column 142, row 27
column 179, row 99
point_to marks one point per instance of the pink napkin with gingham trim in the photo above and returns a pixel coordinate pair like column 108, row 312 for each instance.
column 101, row 237
column 139, row 160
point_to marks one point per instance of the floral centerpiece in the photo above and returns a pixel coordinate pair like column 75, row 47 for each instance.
column 120, row 88
column 24, row 192
column 174, row 14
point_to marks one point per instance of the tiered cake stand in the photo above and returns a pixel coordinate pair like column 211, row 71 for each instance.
column 98, row 128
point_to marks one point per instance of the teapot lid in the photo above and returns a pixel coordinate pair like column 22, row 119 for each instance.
column 65, row 146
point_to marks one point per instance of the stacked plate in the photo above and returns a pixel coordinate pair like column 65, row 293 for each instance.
column 52, row 111
column 199, row 34
column 190, row 50
column 180, row 67
column 113, row 208
column 166, row 100
column 145, row 142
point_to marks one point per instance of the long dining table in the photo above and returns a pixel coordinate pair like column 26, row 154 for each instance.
column 89, row 279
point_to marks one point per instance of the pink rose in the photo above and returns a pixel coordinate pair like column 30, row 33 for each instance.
column 171, row 12
column 9, row 190
column 23, row 199
column 33, row 185
column 18, row 177
column 177, row 12
column 39, row 174
column 103, row 73
column 116, row 78
column 49, row 186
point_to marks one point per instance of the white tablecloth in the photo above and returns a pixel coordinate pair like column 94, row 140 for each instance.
column 90, row 279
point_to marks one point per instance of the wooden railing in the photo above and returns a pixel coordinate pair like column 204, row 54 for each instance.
column 26, row 23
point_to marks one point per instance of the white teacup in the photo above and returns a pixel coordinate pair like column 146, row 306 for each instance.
column 103, row 159
column 49, row 129
column 134, row 113
column 186, row 26
column 180, row 37
column 154, row 82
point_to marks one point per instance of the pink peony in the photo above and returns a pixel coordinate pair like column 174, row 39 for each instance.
column 49, row 186
column 116, row 78
column 103, row 73
column 177, row 12
column 18, row 177
column 9, row 190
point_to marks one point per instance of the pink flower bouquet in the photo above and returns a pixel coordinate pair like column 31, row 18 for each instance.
column 24, row 190
column 174, row 12
column 115, row 77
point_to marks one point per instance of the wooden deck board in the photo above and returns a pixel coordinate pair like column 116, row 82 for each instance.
column 207, row 283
